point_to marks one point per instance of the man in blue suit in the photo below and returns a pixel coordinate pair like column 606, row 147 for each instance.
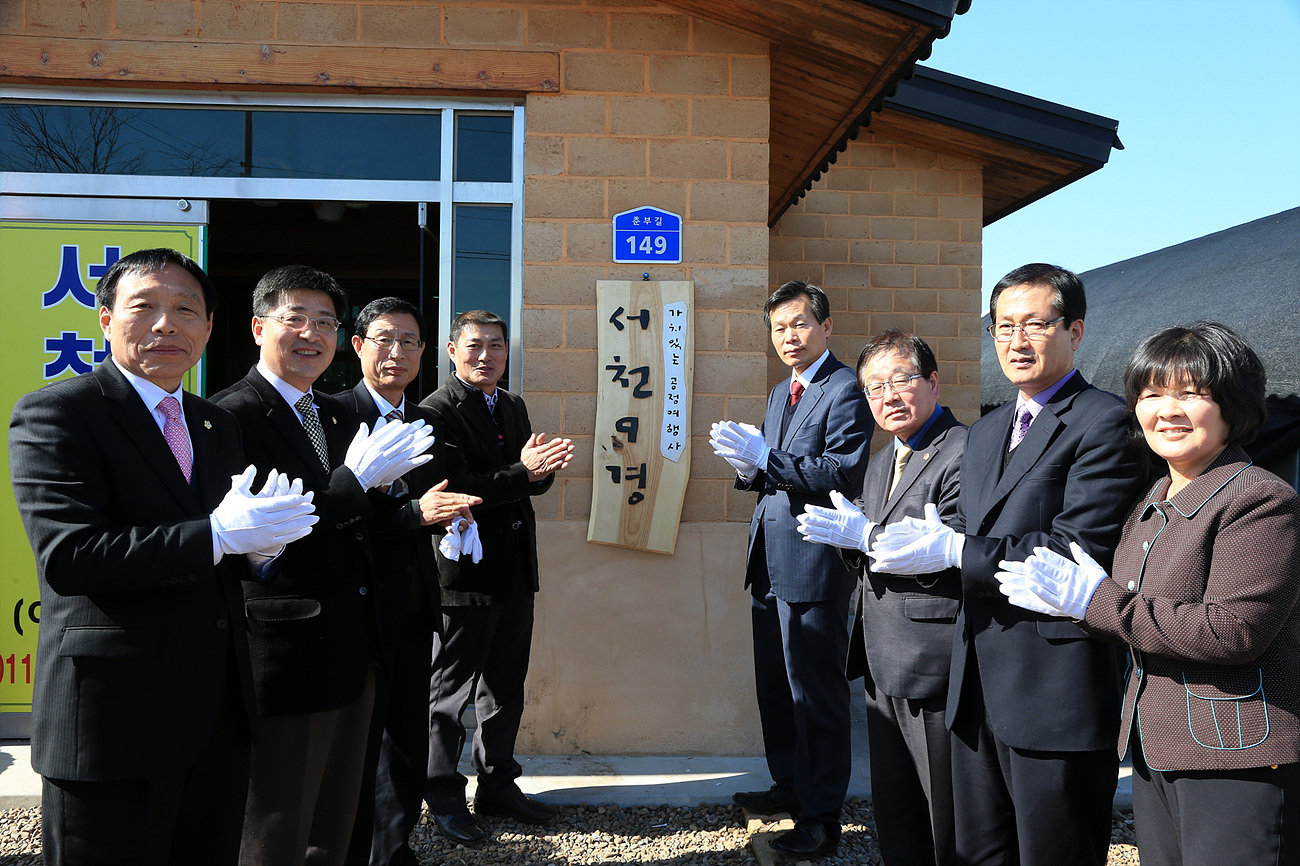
column 815, row 439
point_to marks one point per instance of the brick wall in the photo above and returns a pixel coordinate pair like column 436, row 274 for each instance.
column 654, row 109
column 892, row 233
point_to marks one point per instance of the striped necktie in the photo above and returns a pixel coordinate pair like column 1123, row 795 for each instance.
column 316, row 433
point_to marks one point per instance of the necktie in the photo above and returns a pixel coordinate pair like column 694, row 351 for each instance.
column 311, row 423
column 177, row 438
column 901, row 454
column 796, row 391
column 395, row 415
column 1023, row 420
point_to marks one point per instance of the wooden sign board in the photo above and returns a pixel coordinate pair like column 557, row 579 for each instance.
column 643, row 412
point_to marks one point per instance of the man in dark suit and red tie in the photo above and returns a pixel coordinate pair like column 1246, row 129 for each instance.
column 315, row 628
column 140, row 716
column 814, row 440
column 902, row 636
column 1033, row 702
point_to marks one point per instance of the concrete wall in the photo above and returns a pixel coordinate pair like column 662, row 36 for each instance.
column 638, row 652
column 893, row 233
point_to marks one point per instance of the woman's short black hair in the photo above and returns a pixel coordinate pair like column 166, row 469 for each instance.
column 1214, row 359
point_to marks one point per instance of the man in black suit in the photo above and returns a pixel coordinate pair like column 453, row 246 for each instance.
column 315, row 627
column 815, row 439
column 389, row 340
column 481, row 653
column 1033, row 702
column 902, row 635
column 142, row 692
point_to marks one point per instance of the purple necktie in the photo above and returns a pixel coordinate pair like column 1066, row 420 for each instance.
column 1023, row 420
column 177, row 438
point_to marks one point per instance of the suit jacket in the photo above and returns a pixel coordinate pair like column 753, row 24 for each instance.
column 825, row 448
column 1204, row 592
column 312, row 624
column 480, row 464
column 902, row 636
column 1046, row 685
column 137, row 624
column 403, row 549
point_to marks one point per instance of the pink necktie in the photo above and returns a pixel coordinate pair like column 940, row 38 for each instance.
column 796, row 391
column 177, row 438
column 1023, row 420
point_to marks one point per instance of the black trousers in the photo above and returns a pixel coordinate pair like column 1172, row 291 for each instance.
column 481, row 656
column 1020, row 806
column 1245, row 817
column 191, row 818
column 803, row 697
column 397, row 754
column 305, row 781
column 911, row 779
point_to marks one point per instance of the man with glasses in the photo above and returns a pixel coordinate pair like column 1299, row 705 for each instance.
column 1033, row 702
column 313, row 624
column 389, row 341
column 902, row 636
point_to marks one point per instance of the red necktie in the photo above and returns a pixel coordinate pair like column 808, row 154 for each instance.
column 796, row 391
column 395, row 415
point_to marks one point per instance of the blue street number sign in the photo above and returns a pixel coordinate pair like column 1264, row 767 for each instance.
column 647, row 235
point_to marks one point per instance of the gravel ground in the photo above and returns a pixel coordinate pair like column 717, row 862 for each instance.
column 667, row 835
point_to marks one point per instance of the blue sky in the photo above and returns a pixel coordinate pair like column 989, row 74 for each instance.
column 1207, row 95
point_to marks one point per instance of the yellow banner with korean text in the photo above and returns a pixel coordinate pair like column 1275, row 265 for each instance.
column 643, row 412
column 48, row 272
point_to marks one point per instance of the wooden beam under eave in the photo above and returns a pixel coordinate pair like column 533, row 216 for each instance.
column 39, row 60
column 785, row 181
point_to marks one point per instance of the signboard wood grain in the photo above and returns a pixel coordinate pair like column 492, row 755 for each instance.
column 643, row 403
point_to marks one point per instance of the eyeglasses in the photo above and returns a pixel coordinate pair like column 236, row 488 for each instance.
column 298, row 322
column 387, row 343
column 898, row 383
column 1034, row 329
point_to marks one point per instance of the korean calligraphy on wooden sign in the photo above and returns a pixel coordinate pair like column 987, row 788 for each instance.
column 643, row 402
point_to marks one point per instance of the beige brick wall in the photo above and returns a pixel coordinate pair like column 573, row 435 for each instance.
column 655, row 108
column 892, row 233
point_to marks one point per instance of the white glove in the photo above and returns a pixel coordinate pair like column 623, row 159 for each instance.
column 393, row 449
column 457, row 540
column 740, row 444
column 842, row 526
column 744, row 467
column 1049, row 583
column 246, row 523
column 471, row 543
column 913, row 546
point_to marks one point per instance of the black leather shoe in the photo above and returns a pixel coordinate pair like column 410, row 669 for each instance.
column 459, row 826
column 808, row 839
column 513, row 804
column 769, row 802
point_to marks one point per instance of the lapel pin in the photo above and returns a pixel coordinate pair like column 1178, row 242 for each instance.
column 333, row 420
column 925, row 456
column 207, row 425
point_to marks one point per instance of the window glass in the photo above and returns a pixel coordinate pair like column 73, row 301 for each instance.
column 191, row 142
column 481, row 276
column 483, row 147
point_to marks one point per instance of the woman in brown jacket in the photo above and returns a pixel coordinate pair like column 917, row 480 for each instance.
column 1204, row 592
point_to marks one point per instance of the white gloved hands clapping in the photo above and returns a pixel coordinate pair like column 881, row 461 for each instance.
column 381, row 456
column 741, row 445
column 1049, row 583
column 917, row 546
column 261, row 523
column 843, row 526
